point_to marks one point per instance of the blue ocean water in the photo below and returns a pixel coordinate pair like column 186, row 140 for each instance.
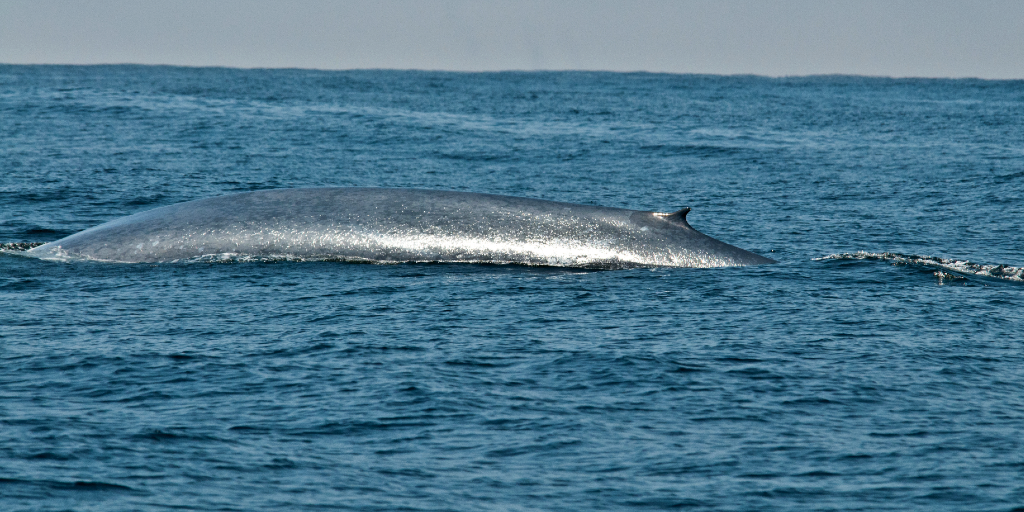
column 878, row 366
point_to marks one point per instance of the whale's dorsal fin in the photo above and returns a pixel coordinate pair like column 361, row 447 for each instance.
column 676, row 217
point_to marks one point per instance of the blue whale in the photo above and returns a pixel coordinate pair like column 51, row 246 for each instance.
column 391, row 225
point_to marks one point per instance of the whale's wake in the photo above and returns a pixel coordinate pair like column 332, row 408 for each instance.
column 946, row 268
column 18, row 247
column 15, row 247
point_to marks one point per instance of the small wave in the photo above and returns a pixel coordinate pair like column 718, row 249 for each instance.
column 231, row 257
column 948, row 268
column 286, row 258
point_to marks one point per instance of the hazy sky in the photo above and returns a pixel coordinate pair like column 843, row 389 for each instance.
column 935, row 38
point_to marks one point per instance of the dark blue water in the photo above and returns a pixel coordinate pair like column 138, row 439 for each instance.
column 879, row 366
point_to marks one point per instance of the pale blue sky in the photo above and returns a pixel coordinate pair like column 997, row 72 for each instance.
column 937, row 38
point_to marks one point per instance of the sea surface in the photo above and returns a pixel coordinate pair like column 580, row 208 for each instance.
column 878, row 366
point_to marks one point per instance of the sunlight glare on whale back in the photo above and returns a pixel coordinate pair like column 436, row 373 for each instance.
column 383, row 225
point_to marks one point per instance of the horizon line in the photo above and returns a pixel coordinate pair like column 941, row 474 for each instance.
column 512, row 70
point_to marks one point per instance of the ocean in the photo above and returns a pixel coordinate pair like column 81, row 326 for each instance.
column 878, row 366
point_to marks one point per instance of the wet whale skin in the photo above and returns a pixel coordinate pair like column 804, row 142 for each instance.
column 401, row 225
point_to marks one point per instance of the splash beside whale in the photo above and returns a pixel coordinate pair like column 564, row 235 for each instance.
column 391, row 225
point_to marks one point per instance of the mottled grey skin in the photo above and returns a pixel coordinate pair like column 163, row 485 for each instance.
column 400, row 225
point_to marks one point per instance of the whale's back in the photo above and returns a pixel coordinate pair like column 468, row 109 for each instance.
column 400, row 225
